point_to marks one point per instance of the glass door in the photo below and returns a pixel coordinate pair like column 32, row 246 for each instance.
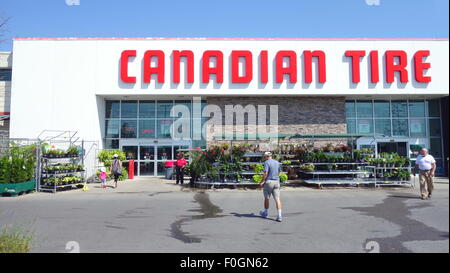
column 146, row 160
column 164, row 153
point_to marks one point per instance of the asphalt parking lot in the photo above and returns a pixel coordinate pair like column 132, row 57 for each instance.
column 153, row 215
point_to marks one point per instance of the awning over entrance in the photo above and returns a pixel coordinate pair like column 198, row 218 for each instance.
column 290, row 136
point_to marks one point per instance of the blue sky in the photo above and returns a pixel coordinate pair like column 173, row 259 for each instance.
column 226, row 18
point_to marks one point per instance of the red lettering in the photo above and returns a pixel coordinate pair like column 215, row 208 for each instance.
column 177, row 55
column 247, row 55
column 290, row 70
column 126, row 54
column 356, row 57
column 217, row 70
column 264, row 67
column 158, row 70
column 307, row 56
column 374, row 70
column 420, row 66
column 391, row 67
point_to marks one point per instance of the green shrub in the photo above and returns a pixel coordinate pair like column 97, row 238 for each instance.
column 15, row 240
column 106, row 157
column 18, row 164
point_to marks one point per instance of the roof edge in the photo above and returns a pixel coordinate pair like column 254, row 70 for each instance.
column 224, row 38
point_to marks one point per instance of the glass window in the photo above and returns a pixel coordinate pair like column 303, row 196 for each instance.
column 400, row 127
column 417, row 127
column 164, row 128
column 188, row 104
column 129, row 129
column 364, row 109
column 129, row 109
column 179, row 149
column 351, row 126
column 436, row 147
column 435, row 127
column 382, row 109
column 365, row 126
column 350, row 109
column 5, row 74
column 183, row 128
column 164, row 152
column 199, row 143
column 147, row 168
column 399, row 109
column 147, row 109
column 112, row 109
column 130, row 152
column 111, row 144
column 417, row 109
column 163, row 109
column 147, row 152
column 147, row 129
column 112, row 128
column 198, row 114
column 434, row 108
column 383, row 126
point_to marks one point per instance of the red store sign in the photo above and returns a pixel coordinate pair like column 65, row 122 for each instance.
column 396, row 63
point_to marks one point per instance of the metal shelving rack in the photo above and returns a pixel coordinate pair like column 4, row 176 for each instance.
column 363, row 174
column 384, row 182
column 48, row 161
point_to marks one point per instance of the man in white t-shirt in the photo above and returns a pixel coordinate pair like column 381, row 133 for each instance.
column 426, row 165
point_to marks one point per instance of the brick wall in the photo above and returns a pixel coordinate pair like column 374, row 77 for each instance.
column 304, row 115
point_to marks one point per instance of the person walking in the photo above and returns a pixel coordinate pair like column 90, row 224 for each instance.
column 271, row 185
column 179, row 168
column 116, row 168
column 102, row 175
column 427, row 167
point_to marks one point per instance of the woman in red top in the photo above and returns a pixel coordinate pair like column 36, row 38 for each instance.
column 179, row 166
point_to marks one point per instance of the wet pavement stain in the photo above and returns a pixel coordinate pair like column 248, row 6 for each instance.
column 395, row 210
column 207, row 210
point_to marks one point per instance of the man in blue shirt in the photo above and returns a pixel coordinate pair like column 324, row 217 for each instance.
column 271, row 184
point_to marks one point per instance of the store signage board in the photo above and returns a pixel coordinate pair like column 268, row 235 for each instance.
column 247, row 67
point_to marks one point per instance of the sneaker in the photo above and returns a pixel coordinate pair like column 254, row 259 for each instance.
column 264, row 214
column 424, row 198
column 279, row 219
column 429, row 196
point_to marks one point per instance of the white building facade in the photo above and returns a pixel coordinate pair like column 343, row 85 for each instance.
column 119, row 91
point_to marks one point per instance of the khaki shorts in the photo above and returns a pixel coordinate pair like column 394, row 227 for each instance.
column 272, row 187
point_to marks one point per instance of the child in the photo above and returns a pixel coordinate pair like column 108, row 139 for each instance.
column 102, row 176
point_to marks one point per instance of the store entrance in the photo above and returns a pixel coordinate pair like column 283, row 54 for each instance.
column 149, row 158
column 393, row 147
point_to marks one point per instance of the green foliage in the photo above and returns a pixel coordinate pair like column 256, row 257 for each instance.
column 283, row 177
column 15, row 240
column 258, row 168
column 257, row 178
column 18, row 164
column 307, row 167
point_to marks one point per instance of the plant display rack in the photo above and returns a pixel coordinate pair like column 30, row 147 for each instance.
column 353, row 174
column 381, row 179
column 55, row 180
